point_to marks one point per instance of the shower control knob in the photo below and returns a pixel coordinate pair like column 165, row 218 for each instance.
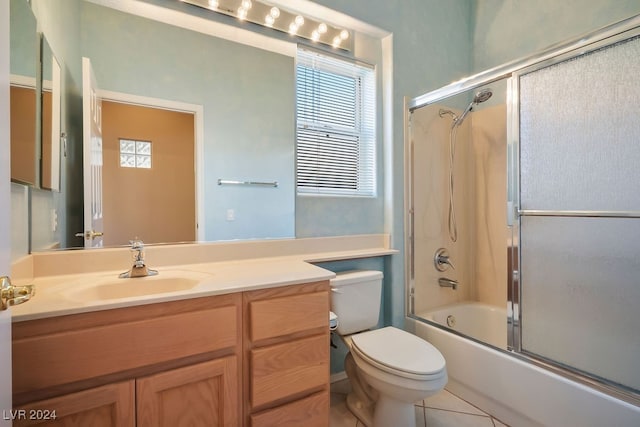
column 441, row 260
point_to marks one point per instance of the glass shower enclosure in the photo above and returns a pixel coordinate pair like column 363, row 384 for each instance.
column 523, row 209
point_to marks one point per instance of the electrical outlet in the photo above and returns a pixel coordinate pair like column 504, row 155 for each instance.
column 231, row 215
column 54, row 220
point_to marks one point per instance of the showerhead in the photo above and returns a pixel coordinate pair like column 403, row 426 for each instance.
column 480, row 97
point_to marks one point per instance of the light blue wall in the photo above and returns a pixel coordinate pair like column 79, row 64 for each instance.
column 23, row 39
column 508, row 30
column 248, row 96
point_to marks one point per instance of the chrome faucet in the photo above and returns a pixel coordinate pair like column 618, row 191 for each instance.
column 139, row 268
column 448, row 283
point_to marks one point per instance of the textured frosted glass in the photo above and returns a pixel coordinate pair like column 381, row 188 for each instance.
column 581, row 294
column 127, row 146
column 580, row 132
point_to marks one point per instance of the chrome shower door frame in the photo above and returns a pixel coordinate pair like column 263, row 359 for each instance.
column 512, row 71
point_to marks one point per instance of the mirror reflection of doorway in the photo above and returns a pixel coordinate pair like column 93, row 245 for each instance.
column 156, row 204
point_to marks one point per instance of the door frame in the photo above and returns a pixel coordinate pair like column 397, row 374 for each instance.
column 182, row 107
column 5, row 214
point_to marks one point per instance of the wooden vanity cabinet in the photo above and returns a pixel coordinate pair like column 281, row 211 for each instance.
column 286, row 356
column 169, row 364
column 104, row 406
column 258, row 358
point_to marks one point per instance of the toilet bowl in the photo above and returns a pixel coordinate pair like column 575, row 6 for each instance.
column 389, row 369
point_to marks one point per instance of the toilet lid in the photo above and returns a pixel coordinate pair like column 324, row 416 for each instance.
column 400, row 351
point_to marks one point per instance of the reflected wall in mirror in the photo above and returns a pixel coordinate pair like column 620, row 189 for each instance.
column 24, row 46
column 148, row 167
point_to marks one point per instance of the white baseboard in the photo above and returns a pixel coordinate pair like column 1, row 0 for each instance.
column 338, row 377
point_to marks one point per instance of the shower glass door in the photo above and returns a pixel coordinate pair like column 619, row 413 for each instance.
column 579, row 213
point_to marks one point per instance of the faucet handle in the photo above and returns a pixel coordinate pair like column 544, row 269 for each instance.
column 441, row 260
column 136, row 244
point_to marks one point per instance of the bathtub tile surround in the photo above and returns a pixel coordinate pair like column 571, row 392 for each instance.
column 441, row 410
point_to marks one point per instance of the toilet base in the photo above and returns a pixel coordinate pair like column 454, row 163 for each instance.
column 362, row 399
column 385, row 412
column 392, row 413
column 376, row 409
column 363, row 412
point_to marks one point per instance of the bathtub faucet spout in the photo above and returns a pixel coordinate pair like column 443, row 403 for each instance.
column 448, row 283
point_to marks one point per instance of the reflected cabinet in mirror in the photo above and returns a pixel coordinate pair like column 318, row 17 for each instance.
column 35, row 103
column 24, row 46
column 174, row 111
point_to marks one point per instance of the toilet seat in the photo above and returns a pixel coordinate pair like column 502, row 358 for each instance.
column 400, row 353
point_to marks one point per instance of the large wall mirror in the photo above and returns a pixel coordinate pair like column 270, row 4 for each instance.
column 238, row 103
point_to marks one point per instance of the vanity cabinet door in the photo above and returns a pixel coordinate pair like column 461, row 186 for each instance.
column 112, row 405
column 205, row 394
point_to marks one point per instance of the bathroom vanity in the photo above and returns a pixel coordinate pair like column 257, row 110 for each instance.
column 254, row 358
column 242, row 341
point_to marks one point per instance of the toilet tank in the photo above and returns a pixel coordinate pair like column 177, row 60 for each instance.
column 355, row 299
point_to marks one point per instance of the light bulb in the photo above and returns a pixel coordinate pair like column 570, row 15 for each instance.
column 274, row 12
column 299, row 21
column 315, row 35
column 322, row 28
column 293, row 28
column 336, row 41
column 242, row 13
column 344, row 34
column 246, row 4
column 213, row 4
column 269, row 20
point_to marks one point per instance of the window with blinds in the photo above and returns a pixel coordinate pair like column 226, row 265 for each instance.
column 335, row 126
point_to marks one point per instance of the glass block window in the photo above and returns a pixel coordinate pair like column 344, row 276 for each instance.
column 135, row 154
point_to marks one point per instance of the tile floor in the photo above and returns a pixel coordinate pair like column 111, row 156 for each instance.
column 441, row 410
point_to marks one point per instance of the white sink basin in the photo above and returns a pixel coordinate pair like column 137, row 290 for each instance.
column 112, row 288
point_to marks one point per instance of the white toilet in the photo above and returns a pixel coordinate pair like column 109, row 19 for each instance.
column 389, row 369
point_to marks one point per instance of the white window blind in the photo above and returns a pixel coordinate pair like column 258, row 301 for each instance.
column 335, row 120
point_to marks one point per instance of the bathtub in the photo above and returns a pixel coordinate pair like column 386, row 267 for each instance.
column 483, row 322
column 507, row 386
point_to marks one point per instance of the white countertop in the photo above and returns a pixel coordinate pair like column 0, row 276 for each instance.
column 71, row 282
column 65, row 294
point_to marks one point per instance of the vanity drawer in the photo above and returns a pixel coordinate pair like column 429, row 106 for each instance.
column 288, row 369
column 281, row 316
column 81, row 347
column 312, row 411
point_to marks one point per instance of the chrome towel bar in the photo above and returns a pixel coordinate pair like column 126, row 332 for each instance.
column 259, row 183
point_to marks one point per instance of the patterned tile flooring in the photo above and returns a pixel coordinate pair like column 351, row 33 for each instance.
column 441, row 410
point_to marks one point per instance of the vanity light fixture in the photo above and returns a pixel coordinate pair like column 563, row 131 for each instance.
column 271, row 16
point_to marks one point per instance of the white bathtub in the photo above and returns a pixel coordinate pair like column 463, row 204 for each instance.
column 516, row 392
column 483, row 322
